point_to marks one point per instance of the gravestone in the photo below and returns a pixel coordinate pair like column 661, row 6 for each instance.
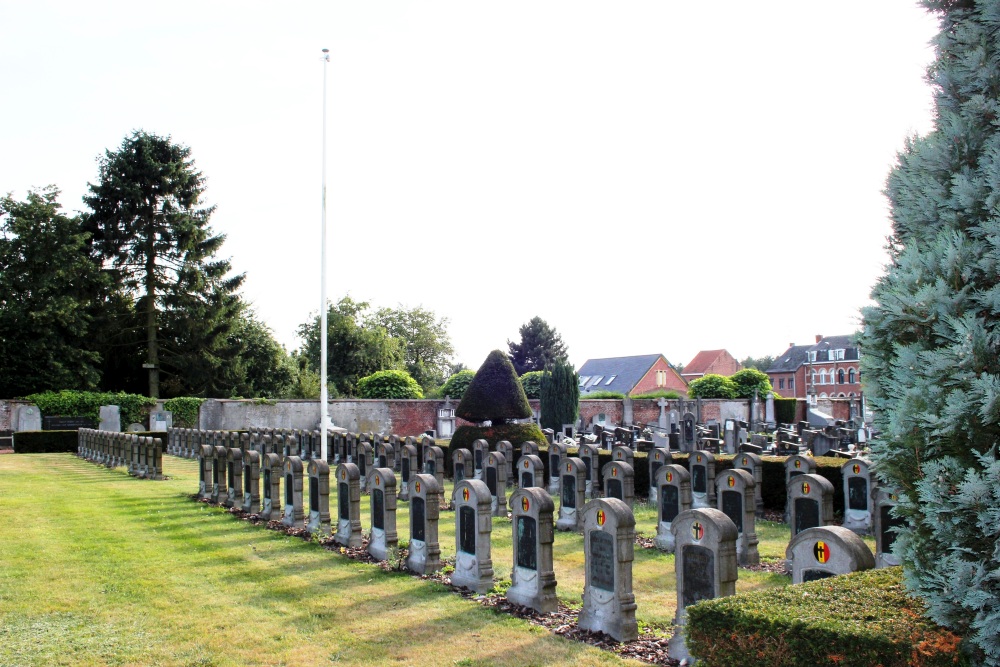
column 608, row 548
column 348, row 506
column 858, row 505
column 589, row 455
column 409, row 468
column 735, row 490
column 27, row 418
column 657, row 458
column 673, row 497
column 619, row 482
column 434, row 463
column 426, row 442
column 704, row 562
column 550, row 435
column 294, row 511
column 702, row 469
column 810, row 503
column 234, row 478
column 572, row 493
column 206, row 455
column 797, row 464
column 533, row 578
column 755, row 466
column 319, row 497
column 480, row 450
column 251, row 482
column 397, row 448
column 623, row 453
column 688, row 435
column 886, row 525
column 729, row 436
column 461, row 460
column 530, row 472
column 219, row 487
column 507, row 449
column 473, row 527
column 385, row 455
column 557, row 452
column 366, row 463
column 424, row 554
column 828, row 551
column 111, row 419
column 160, row 420
column 384, row 540
column 353, row 440
column 529, row 447
column 496, row 481
column 271, row 503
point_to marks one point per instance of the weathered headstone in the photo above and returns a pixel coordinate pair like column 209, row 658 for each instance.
column 480, row 450
column 348, row 506
column 828, row 551
column 530, row 472
column 294, row 511
column 251, row 482
column 385, row 455
column 234, row 478
column 461, row 460
column 735, row 491
column 473, row 527
column 885, row 527
column 111, row 419
column 688, row 436
column 434, row 463
column 366, row 463
column 623, row 453
column 533, row 578
column 271, row 503
column 507, row 449
column 384, row 539
column 409, row 468
column 702, row 469
column 608, row 601
column 496, row 481
column 619, row 482
column 28, row 418
column 557, row 452
column 572, row 493
column 529, row 447
column 206, row 457
column 425, row 501
column 673, row 497
column 858, row 496
column 755, row 466
column 657, row 458
column 319, row 497
column 810, row 502
column 589, row 455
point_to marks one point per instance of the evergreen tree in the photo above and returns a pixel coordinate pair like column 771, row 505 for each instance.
column 560, row 396
column 539, row 348
column 931, row 343
column 495, row 393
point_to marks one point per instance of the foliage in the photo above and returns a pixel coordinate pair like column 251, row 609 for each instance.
column 669, row 394
column 355, row 347
column 785, row 410
column 758, row 363
column 389, row 384
column 456, row 385
column 45, row 442
column 185, row 410
column 781, row 627
column 133, row 408
column 532, row 383
column 49, row 295
column 260, row 365
column 539, row 348
column 515, row 434
column 931, row 340
column 560, row 396
column 148, row 225
column 427, row 346
column 594, row 395
column 749, row 380
column 712, row 386
column 495, row 393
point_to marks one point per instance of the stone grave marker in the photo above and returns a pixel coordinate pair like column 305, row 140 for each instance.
column 702, row 469
column 271, row 509
column 425, row 502
column 473, row 527
column 425, row 442
column 827, row 551
column 755, row 466
column 619, row 482
column 885, row 527
column 858, row 505
column 530, row 472
column 533, row 577
column 434, row 463
column 111, row 419
column 319, row 497
column 234, row 477
column 507, row 449
column 294, row 511
column 366, row 463
column 384, row 539
column 573, row 494
column 219, row 488
column 688, row 436
column 353, row 439
column 673, row 497
column 529, row 447
column 27, row 418
column 348, row 506
column 557, row 452
column 251, row 482
column 396, row 445
column 496, row 482
column 810, row 502
column 735, row 493
column 461, row 460
column 385, row 455
column 608, row 601
column 409, row 468
column 588, row 453
column 206, row 457
column 550, row 435
column 623, row 453
column 797, row 464
column 657, row 458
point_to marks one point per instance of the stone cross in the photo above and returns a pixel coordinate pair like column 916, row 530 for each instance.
column 530, row 471
column 348, row 506
column 674, row 496
column 384, row 538
column 271, row 509
column 608, row 548
column 662, row 420
column 702, row 469
column 496, row 482
column 810, row 502
column 735, row 491
column 533, row 578
column 294, row 511
column 573, row 494
column 319, row 497
column 828, row 551
column 619, row 482
column 251, row 482
column 425, row 502
column 858, row 495
column 473, row 527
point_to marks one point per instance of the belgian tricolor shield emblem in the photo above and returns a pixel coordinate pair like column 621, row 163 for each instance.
column 526, row 463
column 569, row 467
column 857, row 469
column 745, row 462
column 614, row 472
column 524, row 503
column 465, row 494
column 670, row 477
column 343, row 474
column 601, row 518
column 418, row 487
column 378, row 482
column 821, row 550
column 697, row 530
column 731, row 481
column 698, row 458
column 805, row 488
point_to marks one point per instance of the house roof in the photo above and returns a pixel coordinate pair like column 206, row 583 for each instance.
column 834, row 343
column 619, row 374
column 790, row 359
column 702, row 362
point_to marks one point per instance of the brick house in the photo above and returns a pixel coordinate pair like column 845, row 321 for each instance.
column 718, row 362
column 630, row 375
column 827, row 369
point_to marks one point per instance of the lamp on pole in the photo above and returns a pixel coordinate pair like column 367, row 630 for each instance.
column 324, row 417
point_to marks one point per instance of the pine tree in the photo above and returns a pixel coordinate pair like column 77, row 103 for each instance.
column 539, row 348
column 560, row 396
column 931, row 343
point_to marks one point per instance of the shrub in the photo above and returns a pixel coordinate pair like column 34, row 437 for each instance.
column 749, row 380
column 185, row 410
column 45, row 442
column 712, row 386
column 495, row 393
column 785, row 409
column 457, row 384
column 389, row 384
column 855, row 620
column 134, row 408
column 532, row 383
column 660, row 393
column 602, row 394
column 560, row 401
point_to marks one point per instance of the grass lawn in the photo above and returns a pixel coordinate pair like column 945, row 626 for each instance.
column 98, row 568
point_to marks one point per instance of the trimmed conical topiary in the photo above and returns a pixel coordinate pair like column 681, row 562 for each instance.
column 495, row 393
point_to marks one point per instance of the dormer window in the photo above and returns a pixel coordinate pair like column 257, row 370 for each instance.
column 610, row 380
column 837, row 355
column 812, row 355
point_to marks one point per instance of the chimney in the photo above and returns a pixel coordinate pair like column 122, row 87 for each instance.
column 819, row 337
column 791, row 345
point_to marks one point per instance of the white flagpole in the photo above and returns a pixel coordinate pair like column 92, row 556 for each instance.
column 323, row 397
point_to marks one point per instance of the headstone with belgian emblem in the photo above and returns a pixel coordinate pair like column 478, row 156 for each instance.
column 533, row 578
column 608, row 547
column 755, row 466
column 495, row 475
column 424, row 554
column 572, row 493
column 702, row 468
column 251, row 482
column 295, row 515
column 858, row 496
column 735, row 493
column 810, row 502
column 589, row 454
column 348, row 482
column 530, row 472
column 473, row 528
column 619, row 482
column 657, row 458
column 827, row 551
column 885, row 527
column 384, row 538
column 557, row 452
column 234, row 477
column 271, row 502
column 319, row 497
column 674, row 496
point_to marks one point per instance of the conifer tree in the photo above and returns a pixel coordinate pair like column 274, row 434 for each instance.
column 495, row 393
column 540, row 346
column 560, row 396
column 931, row 343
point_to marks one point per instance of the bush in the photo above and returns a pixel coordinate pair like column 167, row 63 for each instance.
column 495, row 393
column 785, row 409
column 532, row 383
column 185, row 410
column 855, row 620
column 134, row 408
column 712, row 386
column 45, row 442
column 670, row 395
column 602, row 394
column 389, row 384
column 749, row 380
column 457, row 384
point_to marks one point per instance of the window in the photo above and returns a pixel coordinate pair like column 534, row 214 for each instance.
column 814, row 377
column 610, row 380
column 822, row 376
column 836, row 355
column 812, row 355
column 791, row 383
column 597, row 380
column 781, row 383
column 583, row 380
column 840, row 376
column 661, row 378
column 851, row 377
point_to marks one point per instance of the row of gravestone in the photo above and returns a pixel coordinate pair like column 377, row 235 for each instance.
column 142, row 456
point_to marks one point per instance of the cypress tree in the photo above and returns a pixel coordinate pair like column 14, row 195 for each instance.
column 560, row 396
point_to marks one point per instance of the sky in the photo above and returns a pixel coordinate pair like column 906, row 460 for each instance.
column 645, row 176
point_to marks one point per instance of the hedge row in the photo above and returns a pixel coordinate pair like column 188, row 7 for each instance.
column 45, row 442
column 854, row 620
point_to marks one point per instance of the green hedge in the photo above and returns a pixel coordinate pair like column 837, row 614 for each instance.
column 784, row 410
column 185, row 410
column 134, row 408
column 45, row 442
column 855, row 620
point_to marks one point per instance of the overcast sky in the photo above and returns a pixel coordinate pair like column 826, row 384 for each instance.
column 647, row 177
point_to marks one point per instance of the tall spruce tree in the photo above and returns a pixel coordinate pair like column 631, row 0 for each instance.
column 539, row 348
column 931, row 343
column 560, row 396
